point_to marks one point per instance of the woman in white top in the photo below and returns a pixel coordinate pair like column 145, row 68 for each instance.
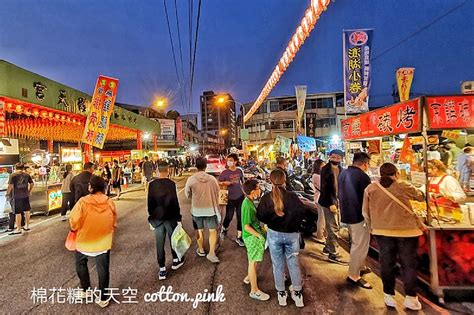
column 316, row 180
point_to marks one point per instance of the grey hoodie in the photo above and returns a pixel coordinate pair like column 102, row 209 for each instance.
column 203, row 190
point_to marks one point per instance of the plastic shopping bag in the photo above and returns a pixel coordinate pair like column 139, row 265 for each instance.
column 180, row 241
column 223, row 197
column 71, row 241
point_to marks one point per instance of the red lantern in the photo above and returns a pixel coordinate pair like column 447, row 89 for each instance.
column 18, row 109
column 44, row 114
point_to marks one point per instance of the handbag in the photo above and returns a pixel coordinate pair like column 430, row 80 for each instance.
column 419, row 223
column 223, row 196
column 71, row 241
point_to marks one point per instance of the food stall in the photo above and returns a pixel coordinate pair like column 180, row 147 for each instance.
column 72, row 156
column 446, row 250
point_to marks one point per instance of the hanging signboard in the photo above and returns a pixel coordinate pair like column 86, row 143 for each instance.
column 396, row 119
column 100, row 109
column 2, row 119
column 404, row 80
column 311, row 124
column 179, row 132
column 306, row 144
column 282, row 144
column 357, row 47
column 167, row 129
column 301, row 91
column 450, row 112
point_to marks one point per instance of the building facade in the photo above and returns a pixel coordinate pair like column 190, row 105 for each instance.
column 219, row 118
column 277, row 116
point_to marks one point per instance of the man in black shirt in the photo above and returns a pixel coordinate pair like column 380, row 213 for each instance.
column 80, row 183
column 352, row 184
column 164, row 215
column 19, row 188
column 282, row 164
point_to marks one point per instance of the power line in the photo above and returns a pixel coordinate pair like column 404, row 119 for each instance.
column 410, row 36
column 190, row 28
column 172, row 49
column 195, row 48
column 180, row 49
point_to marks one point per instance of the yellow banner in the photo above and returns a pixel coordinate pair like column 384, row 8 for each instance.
column 100, row 109
column 404, row 80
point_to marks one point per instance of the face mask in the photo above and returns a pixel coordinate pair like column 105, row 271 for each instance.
column 335, row 163
column 230, row 163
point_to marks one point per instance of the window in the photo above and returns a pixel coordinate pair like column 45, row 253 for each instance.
column 287, row 124
column 325, row 102
column 274, row 125
column 325, row 122
column 274, row 106
column 339, row 100
column 310, row 103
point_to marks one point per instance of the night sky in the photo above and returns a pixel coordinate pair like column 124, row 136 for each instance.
column 240, row 42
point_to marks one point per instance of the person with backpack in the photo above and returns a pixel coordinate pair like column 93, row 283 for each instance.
column 164, row 216
column 283, row 212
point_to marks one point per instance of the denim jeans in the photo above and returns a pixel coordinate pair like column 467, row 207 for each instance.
column 102, row 262
column 163, row 228
column 285, row 246
column 405, row 248
column 332, row 228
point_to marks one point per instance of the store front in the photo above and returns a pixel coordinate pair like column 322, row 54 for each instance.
column 408, row 135
column 41, row 111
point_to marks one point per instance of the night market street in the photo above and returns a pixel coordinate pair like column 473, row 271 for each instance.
column 39, row 259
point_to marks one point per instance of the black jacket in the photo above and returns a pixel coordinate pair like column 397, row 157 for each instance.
column 163, row 201
column 328, row 196
column 80, row 185
column 293, row 216
column 352, row 183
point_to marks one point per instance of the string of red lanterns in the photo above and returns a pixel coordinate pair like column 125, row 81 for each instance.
column 302, row 32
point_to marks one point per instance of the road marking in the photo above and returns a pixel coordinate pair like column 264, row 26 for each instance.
column 35, row 224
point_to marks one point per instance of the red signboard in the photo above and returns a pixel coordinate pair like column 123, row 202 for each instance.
column 179, row 131
column 2, row 118
column 396, row 119
column 450, row 112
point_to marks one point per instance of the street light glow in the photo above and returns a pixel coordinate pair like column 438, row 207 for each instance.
column 146, row 136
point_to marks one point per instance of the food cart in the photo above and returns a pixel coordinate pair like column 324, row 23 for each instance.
column 446, row 250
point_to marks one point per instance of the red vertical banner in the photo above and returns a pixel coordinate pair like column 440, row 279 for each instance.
column 100, row 110
column 179, row 131
column 50, row 146
column 139, row 140
column 2, row 119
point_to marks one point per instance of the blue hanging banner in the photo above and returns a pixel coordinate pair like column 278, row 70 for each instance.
column 306, row 144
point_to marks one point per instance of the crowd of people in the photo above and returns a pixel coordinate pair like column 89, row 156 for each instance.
column 380, row 208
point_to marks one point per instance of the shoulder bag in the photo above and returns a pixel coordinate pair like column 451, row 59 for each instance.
column 418, row 221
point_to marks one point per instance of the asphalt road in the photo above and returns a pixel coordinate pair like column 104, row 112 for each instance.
column 38, row 259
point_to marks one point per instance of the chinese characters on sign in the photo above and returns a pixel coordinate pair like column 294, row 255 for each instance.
column 399, row 118
column 300, row 91
column 62, row 99
column 102, row 106
column 40, row 88
column 357, row 51
column 404, row 80
column 2, row 119
column 448, row 112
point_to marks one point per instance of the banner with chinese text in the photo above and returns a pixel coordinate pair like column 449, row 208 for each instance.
column 396, row 119
column 301, row 91
column 311, row 124
column 179, row 132
column 282, row 144
column 404, row 80
column 357, row 45
column 450, row 112
column 100, row 109
column 306, row 144
column 2, row 119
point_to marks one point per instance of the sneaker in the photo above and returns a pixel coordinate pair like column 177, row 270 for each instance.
column 259, row 295
column 389, row 300
column 240, row 241
column 282, row 296
column 247, row 280
column 365, row 271
column 412, row 303
column 325, row 252
column 15, row 233
column 177, row 263
column 63, row 218
column 223, row 233
column 360, row 283
column 336, row 259
column 162, row 274
column 102, row 304
column 212, row 258
column 200, row 253
column 297, row 296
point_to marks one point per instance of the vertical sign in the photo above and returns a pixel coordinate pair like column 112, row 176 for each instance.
column 179, row 131
column 300, row 103
column 101, row 107
column 404, row 80
column 2, row 119
column 357, row 45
